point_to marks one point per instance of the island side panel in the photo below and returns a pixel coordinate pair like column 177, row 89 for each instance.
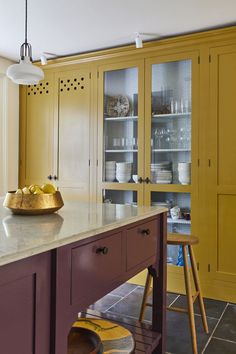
column 159, row 273
column 25, row 306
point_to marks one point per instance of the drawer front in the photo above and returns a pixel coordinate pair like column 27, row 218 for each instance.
column 141, row 243
column 94, row 265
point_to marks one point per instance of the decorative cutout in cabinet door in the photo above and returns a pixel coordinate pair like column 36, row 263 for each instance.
column 42, row 88
column 72, row 84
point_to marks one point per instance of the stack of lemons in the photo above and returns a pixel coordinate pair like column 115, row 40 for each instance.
column 46, row 188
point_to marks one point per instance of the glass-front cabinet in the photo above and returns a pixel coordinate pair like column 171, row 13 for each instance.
column 171, row 123
column 149, row 138
column 121, row 116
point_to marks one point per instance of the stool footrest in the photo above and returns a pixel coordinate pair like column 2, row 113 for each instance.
column 177, row 309
column 195, row 296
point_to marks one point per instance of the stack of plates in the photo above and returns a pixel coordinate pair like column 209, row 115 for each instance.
column 123, row 171
column 110, row 172
column 161, row 172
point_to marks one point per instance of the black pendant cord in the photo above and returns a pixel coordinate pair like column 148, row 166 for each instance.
column 26, row 19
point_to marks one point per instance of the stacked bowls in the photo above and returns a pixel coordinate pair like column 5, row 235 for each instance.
column 184, row 171
column 110, row 171
column 161, row 172
column 123, row 171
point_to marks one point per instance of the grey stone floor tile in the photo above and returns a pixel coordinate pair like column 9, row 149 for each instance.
column 217, row 346
column 124, row 289
column 214, row 308
column 226, row 328
column 130, row 305
column 104, row 303
column 179, row 336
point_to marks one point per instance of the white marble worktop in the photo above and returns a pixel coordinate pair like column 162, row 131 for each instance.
column 24, row 236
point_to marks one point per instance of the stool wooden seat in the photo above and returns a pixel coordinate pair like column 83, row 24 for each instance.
column 114, row 337
column 186, row 242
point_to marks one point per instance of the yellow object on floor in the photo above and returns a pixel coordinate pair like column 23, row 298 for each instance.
column 115, row 338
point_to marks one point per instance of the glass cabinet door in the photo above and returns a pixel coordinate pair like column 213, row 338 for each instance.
column 120, row 133
column 171, row 123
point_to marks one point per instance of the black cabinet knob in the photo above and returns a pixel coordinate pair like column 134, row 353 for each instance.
column 102, row 250
column 147, row 180
column 55, row 177
column 50, row 177
column 145, row 232
column 140, row 180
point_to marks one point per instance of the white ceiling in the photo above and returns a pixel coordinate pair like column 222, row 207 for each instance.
column 74, row 26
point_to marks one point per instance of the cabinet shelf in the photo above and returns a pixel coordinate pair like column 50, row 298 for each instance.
column 178, row 221
column 121, row 119
column 163, row 117
column 123, row 150
column 171, row 150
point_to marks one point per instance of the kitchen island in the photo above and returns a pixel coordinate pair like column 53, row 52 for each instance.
column 54, row 266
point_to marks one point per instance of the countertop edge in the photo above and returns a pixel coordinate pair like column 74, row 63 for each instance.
column 20, row 255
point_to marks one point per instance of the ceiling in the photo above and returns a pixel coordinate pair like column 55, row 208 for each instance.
column 73, row 26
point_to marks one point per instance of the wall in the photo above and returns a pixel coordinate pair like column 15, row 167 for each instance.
column 9, row 130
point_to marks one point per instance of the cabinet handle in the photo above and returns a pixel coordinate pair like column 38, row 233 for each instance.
column 50, row 177
column 55, row 177
column 147, row 180
column 102, row 250
column 145, row 232
column 140, row 180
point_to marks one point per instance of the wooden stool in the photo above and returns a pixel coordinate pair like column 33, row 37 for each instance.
column 185, row 242
column 113, row 336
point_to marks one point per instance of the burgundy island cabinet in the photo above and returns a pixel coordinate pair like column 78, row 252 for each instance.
column 54, row 266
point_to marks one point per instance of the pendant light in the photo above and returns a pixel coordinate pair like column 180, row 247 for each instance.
column 25, row 73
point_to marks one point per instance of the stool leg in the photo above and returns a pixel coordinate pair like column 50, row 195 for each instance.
column 145, row 296
column 198, row 289
column 190, row 300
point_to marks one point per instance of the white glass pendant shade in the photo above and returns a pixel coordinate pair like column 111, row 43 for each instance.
column 25, row 73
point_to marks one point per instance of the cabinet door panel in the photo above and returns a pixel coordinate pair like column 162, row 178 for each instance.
column 222, row 166
column 25, row 306
column 73, row 133
column 38, row 132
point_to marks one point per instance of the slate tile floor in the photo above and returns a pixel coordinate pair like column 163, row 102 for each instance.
column 221, row 316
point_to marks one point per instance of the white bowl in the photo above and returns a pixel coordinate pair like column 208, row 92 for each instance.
column 135, row 178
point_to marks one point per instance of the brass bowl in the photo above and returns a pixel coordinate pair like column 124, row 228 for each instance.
column 33, row 204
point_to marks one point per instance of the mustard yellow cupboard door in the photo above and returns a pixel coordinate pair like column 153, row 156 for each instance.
column 37, row 132
column 73, row 144
column 121, row 132
column 222, row 164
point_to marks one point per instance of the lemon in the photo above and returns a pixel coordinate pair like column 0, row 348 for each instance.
column 38, row 190
column 33, row 187
column 26, row 190
column 48, row 188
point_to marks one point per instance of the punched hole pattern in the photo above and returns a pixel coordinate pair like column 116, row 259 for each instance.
column 72, row 84
column 40, row 89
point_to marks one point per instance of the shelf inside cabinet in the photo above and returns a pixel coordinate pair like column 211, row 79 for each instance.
column 121, row 119
column 161, row 118
column 123, row 150
column 171, row 150
column 178, row 221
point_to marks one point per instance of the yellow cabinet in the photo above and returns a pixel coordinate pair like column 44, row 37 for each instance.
column 121, row 132
column 37, row 132
column 221, row 171
column 55, row 133
column 73, row 124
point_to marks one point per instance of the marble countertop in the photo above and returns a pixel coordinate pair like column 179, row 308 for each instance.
column 24, row 236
